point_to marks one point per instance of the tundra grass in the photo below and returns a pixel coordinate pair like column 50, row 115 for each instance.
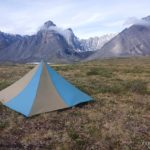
column 119, row 117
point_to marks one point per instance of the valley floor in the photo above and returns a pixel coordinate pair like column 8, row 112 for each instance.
column 119, row 117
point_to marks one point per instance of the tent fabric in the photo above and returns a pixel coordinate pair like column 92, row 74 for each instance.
column 46, row 91
column 13, row 90
column 24, row 100
column 41, row 90
column 70, row 94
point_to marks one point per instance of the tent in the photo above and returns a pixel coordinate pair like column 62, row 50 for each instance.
column 41, row 90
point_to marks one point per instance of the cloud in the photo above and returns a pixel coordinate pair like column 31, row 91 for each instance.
column 83, row 19
column 114, row 23
column 64, row 32
column 86, row 17
column 25, row 17
column 136, row 21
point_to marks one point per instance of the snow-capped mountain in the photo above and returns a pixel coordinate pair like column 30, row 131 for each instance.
column 55, row 44
column 132, row 41
column 50, row 43
column 95, row 43
column 67, row 34
column 147, row 19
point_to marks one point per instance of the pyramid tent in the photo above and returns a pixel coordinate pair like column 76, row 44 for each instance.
column 41, row 90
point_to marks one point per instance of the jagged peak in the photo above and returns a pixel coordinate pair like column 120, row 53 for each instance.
column 48, row 24
column 146, row 18
column 69, row 29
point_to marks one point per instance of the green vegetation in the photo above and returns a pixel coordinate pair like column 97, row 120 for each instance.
column 73, row 134
column 117, row 119
column 100, row 71
column 138, row 86
column 4, row 84
column 3, row 125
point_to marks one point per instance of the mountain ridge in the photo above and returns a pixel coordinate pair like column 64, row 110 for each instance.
column 49, row 43
column 57, row 45
column 132, row 41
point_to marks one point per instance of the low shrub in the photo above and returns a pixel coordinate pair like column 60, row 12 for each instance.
column 137, row 86
column 3, row 125
column 73, row 134
column 4, row 84
column 114, row 88
column 100, row 71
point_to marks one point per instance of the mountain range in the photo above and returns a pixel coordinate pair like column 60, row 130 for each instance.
column 57, row 45
column 132, row 41
column 49, row 43
column 95, row 43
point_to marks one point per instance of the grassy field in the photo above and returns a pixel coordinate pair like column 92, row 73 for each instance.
column 118, row 119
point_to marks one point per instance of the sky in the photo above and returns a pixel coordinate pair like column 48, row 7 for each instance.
column 87, row 18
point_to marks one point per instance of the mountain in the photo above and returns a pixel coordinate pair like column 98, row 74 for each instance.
column 50, row 43
column 132, row 41
column 95, row 43
column 67, row 34
column 147, row 19
column 57, row 45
